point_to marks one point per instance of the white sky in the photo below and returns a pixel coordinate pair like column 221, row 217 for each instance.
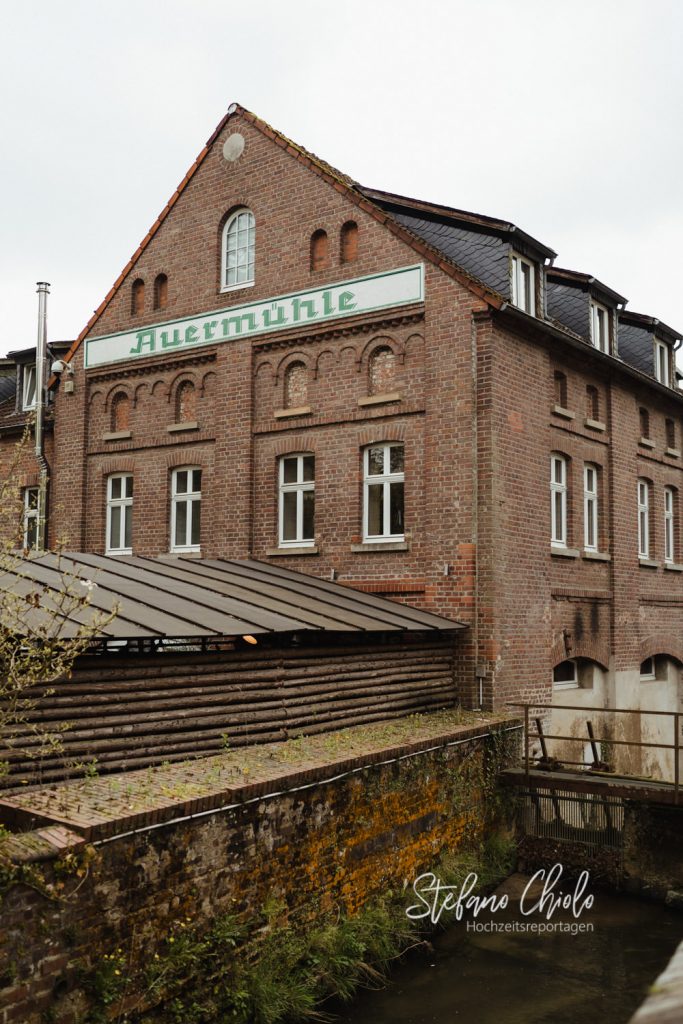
column 563, row 117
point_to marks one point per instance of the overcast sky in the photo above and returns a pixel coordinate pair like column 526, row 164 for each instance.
column 563, row 117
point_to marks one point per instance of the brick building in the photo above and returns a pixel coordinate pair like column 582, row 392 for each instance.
column 404, row 397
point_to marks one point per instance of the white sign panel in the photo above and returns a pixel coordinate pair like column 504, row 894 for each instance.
column 287, row 312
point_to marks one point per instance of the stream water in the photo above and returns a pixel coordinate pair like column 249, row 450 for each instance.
column 600, row 976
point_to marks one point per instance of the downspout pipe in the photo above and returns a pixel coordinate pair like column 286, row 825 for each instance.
column 43, row 289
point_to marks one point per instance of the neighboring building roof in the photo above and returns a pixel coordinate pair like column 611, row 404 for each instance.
column 8, row 389
column 186, row 597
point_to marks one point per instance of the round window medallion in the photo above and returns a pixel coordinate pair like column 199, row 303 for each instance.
column 233, row 147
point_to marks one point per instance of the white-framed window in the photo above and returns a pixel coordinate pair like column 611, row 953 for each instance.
column 30, row 517
column 523, row 284
column 119, row 514
column 186, row 506
column 647, row 669
column 28, row 393
column 558, row 501
column 662, row 363
column 643, row 519
column 590, row 507
column 565, row 676
column 669, row 525
column 383, row 492
column 297, row 500
column 238, row 250
column 600, row 327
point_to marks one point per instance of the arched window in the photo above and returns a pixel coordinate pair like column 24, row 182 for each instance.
column 558, row 501
column 120, row 412
column 320, row 250
column 161, row 291
column 560, row 383
column 348, row 242
column 381, row 366
column 185, row 403
column 296, row 385
column 592, row 403
column 644, row 421
column 138, row 297
column 238, row 250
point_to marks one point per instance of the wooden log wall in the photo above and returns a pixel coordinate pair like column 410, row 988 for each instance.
column 130, row 712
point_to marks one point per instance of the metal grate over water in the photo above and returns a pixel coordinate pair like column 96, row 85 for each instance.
column 595, row 821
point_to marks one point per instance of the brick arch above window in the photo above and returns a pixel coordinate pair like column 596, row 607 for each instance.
column 114, row 390
column 380, row 434
column 186, row 457
column 379, row 341
column 117, row 465
column 665, row 644
column 295, row 444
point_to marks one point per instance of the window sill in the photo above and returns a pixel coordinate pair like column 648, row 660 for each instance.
column 237, row 287
column 186, row 553
column 392, row 396
column 648, row 563
column 299, row 410
column 558, row 410
column 645, row 442
column 565, row 552
column 673, row 453
column 596, row 556
column 381, row 545
column 301, row 550
column 119, row 551
column 673, row 567
column 179, row 428
column 117, row 435
column 566, row 686
column 595, row 425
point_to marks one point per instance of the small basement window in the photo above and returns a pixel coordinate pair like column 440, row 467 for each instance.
column 565, row 676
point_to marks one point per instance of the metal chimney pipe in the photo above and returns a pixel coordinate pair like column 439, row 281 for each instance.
column 43, row 289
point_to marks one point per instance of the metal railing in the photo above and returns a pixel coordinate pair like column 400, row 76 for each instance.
column 563, row 816
column 598, row 766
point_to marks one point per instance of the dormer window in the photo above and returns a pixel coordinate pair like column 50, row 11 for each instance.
column 523, row 284
column 662, row 363
column 600, row 327
column 28, row 395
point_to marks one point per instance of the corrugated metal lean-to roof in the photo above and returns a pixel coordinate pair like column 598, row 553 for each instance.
column 188, row 597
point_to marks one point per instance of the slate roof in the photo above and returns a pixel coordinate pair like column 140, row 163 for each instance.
column 486, row 257
column 185, row 597
column 570, row 306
